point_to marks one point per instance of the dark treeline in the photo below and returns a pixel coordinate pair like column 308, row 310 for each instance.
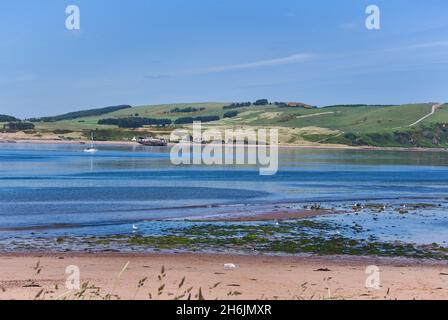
column 18, row 126
column 82, row 114
column 5, row 118
column 135, row 122
column 186, row 110
column 231, row 114
column 237, row 105
column 260, row 102
column 189, row 120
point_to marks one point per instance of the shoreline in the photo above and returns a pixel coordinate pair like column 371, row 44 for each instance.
column 252, row 277
column 336, row 259
column 268, row 215
column 282, row 146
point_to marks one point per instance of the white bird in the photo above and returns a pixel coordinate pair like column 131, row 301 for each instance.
column 229, row 266
column 134, row 227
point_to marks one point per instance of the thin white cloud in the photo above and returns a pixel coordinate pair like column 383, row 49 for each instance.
column 295, row 58
column 425, row 45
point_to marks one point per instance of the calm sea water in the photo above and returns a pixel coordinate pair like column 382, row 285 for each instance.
column 57, row 189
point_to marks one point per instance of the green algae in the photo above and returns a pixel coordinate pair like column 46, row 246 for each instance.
column 293, row 237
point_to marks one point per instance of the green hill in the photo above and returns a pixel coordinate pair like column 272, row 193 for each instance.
column 6, row 118
column 82, row 114
column 374, row 125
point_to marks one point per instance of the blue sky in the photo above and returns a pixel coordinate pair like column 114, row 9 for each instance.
column 165, row 51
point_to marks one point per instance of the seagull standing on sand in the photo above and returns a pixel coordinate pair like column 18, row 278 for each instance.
column 229, row 266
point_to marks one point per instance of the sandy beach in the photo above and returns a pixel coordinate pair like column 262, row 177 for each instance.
column 27, row 276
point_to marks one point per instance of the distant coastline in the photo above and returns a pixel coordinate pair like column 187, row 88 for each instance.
column 415, row 126
column 293, row 146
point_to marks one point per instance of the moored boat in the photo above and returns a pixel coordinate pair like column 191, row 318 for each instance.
column 152, row 142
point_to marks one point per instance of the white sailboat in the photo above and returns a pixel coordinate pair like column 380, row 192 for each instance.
column 91, row 149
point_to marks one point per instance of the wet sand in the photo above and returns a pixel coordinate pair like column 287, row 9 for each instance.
column 255, row 277
column 272, row 215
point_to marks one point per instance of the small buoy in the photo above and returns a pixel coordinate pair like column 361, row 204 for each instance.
column 229, row 266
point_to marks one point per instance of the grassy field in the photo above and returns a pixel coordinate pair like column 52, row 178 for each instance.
column 354, row 125
column 353, row 119
column 441, row 116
